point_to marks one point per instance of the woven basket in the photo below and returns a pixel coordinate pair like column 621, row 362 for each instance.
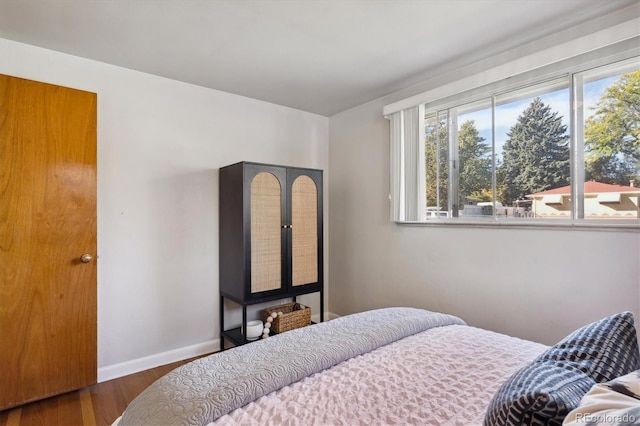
column 292, row 317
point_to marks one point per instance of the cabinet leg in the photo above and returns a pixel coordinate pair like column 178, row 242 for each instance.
column 221, row 323
column 244, row 323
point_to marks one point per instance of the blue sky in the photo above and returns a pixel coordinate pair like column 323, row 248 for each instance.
column 507, row 114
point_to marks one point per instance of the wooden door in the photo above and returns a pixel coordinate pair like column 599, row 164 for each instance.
column 48, row 333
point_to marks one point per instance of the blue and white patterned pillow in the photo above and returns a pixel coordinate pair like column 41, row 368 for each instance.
column 540, row 394
column 545, row 391
column 604, row 350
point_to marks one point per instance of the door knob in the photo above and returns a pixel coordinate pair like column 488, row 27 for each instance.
column 86, row 258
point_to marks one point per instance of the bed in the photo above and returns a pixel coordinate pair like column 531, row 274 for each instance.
column 386, row 366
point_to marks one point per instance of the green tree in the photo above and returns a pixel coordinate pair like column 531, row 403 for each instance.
column 475, row 163
column 612, row 134
column 474, row 158
column 436, row 158
column 536, row 153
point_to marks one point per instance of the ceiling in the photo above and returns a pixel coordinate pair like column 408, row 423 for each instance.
column 321, row 56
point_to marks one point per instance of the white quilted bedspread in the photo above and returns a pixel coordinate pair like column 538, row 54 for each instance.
column 442, row 376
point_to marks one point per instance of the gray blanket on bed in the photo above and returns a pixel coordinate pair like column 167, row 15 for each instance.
column 199, row 392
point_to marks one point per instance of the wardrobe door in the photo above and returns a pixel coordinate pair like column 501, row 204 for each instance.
column 306, row 227
column 266, row 247
column 47, row 240
column 265, row 230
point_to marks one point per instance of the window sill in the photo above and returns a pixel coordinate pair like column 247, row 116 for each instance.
column 585, row 225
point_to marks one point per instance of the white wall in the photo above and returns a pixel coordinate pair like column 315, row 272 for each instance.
column 160, row 144
column 531, row 283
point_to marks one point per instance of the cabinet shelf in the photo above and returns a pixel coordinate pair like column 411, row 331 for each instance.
column 235, row 336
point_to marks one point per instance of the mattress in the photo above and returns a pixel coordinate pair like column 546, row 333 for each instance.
column 389, row 366
column 442, row 376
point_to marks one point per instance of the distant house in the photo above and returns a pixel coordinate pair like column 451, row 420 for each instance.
column 601, row 201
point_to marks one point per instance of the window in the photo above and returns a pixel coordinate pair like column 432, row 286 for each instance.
column 609, row 130
column 564, row 148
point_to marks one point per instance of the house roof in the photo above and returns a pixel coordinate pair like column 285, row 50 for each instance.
column 590, row 187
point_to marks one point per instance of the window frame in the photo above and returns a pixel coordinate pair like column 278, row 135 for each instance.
column 567, row 71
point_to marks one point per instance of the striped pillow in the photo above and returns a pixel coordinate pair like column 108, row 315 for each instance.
column 545, row 391
column 604, row 350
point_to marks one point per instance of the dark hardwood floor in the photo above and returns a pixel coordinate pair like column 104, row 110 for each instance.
column 99, row 404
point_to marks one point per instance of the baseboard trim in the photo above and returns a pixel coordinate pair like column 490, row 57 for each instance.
column 140, row 364
column 122, row 369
